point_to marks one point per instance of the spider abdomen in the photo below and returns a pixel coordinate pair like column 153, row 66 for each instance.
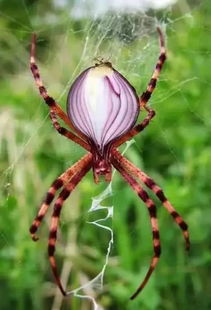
column 102, row 104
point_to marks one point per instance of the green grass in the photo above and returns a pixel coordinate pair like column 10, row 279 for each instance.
column 175, row 150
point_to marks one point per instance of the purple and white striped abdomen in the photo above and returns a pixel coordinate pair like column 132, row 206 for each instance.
column 102, row 104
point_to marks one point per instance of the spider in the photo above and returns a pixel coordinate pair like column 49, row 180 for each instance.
column 102, row 110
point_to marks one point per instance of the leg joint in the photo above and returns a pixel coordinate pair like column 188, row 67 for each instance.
column 157, row 250
column 50, row 101
column 51, row 249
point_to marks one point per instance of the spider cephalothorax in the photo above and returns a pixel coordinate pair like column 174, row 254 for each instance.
column 102, row 109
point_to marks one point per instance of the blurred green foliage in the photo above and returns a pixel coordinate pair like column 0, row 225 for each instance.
column 175, row 150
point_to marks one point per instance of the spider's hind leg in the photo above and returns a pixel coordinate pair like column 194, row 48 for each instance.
column 68, row 188
column 153, row 219
column 56, row 185
column 150, row 183
column 166, row 203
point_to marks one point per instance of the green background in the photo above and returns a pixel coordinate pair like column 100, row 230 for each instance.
column 175, row 150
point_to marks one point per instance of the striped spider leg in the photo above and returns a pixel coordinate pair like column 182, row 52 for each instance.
column 102, row 110
column 147, row 95
column 153, row 219
column 150, row 183
column 129, row 171
column 68, row 188
column 55, row 109
column 59, row 183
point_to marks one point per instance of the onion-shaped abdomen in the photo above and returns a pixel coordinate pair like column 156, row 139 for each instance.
column 102, row 104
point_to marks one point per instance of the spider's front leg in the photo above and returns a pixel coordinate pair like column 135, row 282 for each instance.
column 55, row 109
column 68, row 134
column 144, row 98
column 153, row 81
column 137, row 129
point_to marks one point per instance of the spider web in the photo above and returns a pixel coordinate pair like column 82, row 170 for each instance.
column 105, row 34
